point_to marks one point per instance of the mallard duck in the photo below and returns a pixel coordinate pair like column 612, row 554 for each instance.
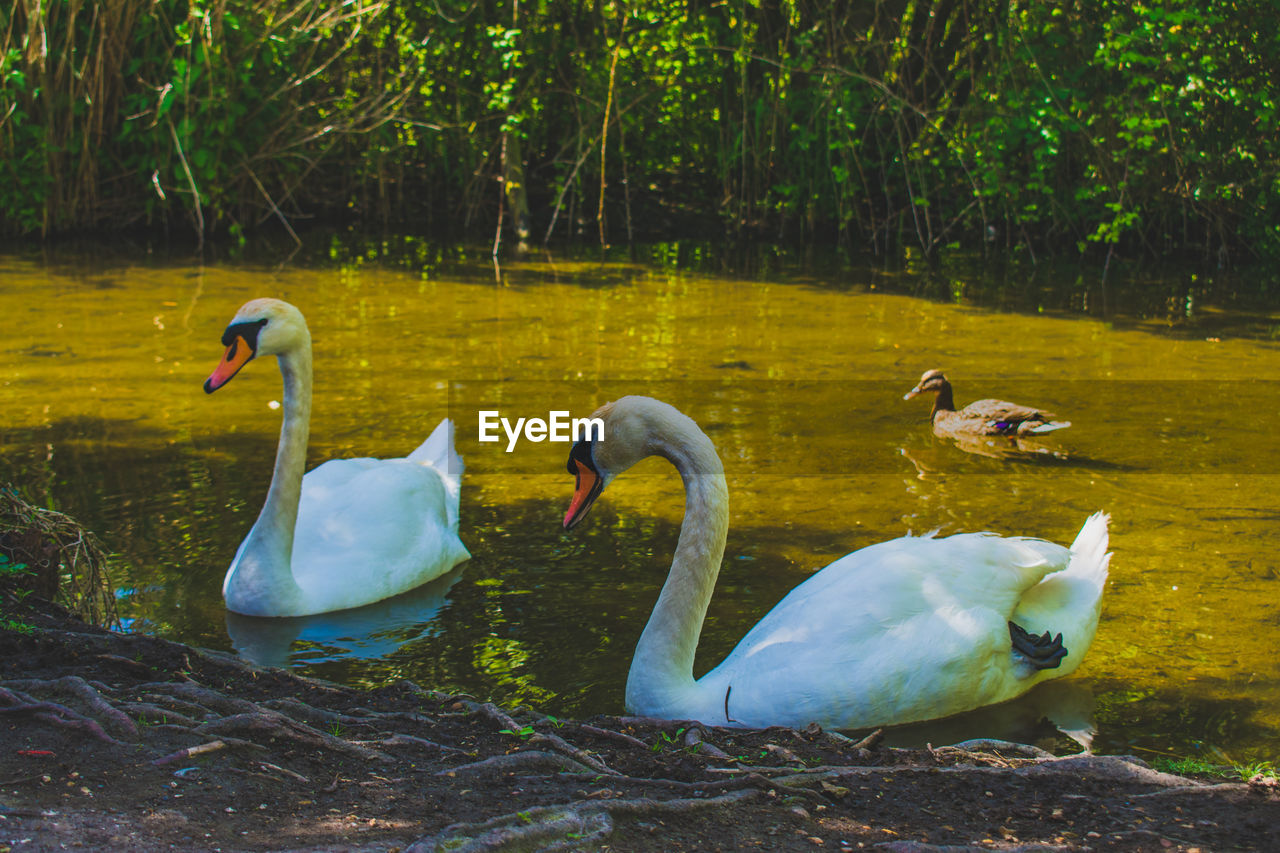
column 914, row 628
column 981, row 417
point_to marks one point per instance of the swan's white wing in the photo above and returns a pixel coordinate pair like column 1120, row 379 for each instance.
column 909, row 629
column 438, row 452
column 368, row 529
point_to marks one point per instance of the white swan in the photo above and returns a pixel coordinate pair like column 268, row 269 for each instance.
column 352, row 531
column 911, row 629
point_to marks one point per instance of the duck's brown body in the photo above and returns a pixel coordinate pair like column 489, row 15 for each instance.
column 981, row 417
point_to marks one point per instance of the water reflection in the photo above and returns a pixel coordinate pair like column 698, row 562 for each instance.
column 360, row 634
column 1041, row 716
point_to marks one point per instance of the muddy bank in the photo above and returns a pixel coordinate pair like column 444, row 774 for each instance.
column 117, row 742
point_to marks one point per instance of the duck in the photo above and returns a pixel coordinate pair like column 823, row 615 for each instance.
column 912, row 629
column 351, row 531
column 981, row 417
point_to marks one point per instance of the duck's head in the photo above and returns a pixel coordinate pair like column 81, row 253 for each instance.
column 633, row 428
column 260, row 327
column 930, row 380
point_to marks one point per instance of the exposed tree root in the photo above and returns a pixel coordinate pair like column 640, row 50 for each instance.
column 694, row 739
column 114, row 721
column 1192, row 788
column 922, row 847
column 269, row 724
column 502, row 718
column 609, row 734
column 210, row 700
column 150, row 713
column 997, row 746
column 394, row 740
column 571, row 826
column 189, row 709
column 532, row 759
column 1113, row 767
column 300, row 710
column 52, row 713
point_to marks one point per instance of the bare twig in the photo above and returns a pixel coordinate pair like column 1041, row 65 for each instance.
column 190, row 752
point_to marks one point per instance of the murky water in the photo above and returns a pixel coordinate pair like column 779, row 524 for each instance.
column 796, row 374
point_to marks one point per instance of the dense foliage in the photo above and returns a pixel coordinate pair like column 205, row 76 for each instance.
column 885, row 123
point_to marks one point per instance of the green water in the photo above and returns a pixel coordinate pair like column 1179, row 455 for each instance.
column 796, row 370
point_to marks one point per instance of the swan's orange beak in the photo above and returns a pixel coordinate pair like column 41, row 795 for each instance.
column 584, row 494
column 239, row 353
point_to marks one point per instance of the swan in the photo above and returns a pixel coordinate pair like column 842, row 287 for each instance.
column 352, row 531
column 981, row 417
column 912, row 629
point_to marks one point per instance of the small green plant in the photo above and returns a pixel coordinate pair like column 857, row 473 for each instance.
column 1255, row 768
column 665, row 740
column 10, row 569
column 1188, row 766
column 16, row 626
column 1191, row 766
column 524, row 733
column 336, row 729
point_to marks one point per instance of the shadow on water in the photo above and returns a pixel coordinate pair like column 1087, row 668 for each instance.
column 1180, row 723
column 929, row 463
column 1043, row 716
column 1179, row 301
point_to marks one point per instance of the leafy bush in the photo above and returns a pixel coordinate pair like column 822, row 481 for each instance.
column 891, row 124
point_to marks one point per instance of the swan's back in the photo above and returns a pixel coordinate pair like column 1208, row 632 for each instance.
column 373, row 528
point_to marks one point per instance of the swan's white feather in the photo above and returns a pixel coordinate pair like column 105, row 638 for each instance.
column 437, row 451
column 372, row 528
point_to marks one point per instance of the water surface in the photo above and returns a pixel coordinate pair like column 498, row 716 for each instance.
column 795, row 370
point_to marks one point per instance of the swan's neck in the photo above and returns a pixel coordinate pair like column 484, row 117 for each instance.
column 943, row 401
column 263, row 571
column 662, row 669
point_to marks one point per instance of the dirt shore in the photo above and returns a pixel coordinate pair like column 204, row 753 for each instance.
column 123, row 742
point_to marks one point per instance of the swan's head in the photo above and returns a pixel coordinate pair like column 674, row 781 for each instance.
column 260, row 327
column 931, row 380
column 634, row 429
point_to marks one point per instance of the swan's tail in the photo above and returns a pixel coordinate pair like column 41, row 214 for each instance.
column 1068, row 602
column 437, row 451
column 1089, row 557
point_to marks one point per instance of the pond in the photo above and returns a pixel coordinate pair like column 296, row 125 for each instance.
column 796, row 369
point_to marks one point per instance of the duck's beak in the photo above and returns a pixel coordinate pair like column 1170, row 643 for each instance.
column 586, row 491
column 239, row 353
column 913, row 392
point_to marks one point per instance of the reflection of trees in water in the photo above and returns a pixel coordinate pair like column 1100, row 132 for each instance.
column 166, row 512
